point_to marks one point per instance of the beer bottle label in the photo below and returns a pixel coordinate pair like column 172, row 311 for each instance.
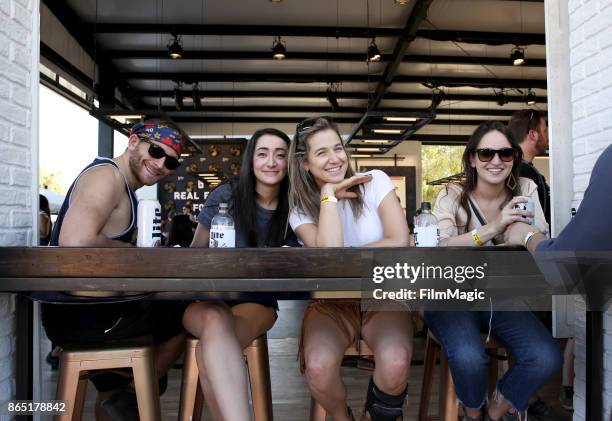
column 426, row 236
column 222, row 237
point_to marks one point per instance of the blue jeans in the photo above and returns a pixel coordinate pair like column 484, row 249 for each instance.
column 537, row 354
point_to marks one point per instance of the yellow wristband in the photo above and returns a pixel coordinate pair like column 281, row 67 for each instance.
column 476, row 238
column 528, row 237
column 329, row 199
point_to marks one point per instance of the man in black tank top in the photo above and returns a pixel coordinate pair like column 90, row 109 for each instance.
column 100, row 211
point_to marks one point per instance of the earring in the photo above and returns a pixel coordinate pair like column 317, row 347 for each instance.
column 511, row 182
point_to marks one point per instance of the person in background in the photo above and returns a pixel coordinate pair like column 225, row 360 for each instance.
column 530, row 129
column 44, row 222
column 188, row 210
column 333, row 207
column 180, row 232
column 476, row 213
column 100, row 211
column 258, row 204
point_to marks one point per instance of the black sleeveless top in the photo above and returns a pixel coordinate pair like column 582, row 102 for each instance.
column 127, row 235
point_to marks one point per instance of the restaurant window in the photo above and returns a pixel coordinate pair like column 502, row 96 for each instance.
column 439, row 163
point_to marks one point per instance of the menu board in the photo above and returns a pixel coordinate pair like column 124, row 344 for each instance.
column 190, row 182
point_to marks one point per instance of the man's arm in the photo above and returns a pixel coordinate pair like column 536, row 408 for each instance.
column 97, row 194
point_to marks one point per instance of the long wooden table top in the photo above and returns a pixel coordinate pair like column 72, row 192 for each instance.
column 237, row 270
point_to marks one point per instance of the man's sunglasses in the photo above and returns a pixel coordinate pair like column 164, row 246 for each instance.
column 157, row 152
column 486, row 154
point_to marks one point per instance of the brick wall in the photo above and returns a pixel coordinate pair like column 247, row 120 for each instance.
column 590, row 25
column 18, row 154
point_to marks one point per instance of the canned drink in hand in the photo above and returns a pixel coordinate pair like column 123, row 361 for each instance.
column 149, row 223
column 528, row 206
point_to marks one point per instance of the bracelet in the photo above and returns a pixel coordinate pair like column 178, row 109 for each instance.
column 329, row 199
column 476, row 238
column 528, row 237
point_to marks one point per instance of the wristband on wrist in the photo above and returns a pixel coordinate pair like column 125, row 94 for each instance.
column 329, row 199
column 476, row 238
column 528, row 237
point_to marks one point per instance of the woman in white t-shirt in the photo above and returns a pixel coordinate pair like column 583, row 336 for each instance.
column 333, row 207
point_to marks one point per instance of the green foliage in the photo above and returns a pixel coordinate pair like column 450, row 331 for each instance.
column 438, row 162
column 50, row 180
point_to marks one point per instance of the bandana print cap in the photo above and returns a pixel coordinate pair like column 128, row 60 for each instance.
column 159, row 132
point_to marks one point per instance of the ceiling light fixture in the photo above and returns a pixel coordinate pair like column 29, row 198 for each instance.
column 368, row 149
column 401, row 2
column 175, row 48
column 279, row 51
column 387, row 131
column 530, row 98
column 501, row 99
column 377, row 142
column 408, row 119
column 361, row 156
column 197, row 100
column 518, row 56
column 178, row 96
column 373, row 52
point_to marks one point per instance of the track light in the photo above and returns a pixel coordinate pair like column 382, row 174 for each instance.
column 175, row 48
column 332, row 98
column 518, row 56
column 401, row 2
column 178, row 96
column 530, row 98
column 501, row 99
column 373, row 51
column 279, row 51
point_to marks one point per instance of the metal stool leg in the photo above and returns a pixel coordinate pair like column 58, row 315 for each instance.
column 189, row 385
column 259, row 376
column 146, row 385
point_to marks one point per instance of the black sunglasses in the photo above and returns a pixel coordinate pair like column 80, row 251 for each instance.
column 157, row 152
column 308, row 123
column 486, row 154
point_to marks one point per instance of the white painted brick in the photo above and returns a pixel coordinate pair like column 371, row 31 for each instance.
column 13, row 113
column 4, row 132
column 14, row 239
column 597, row 142
column 576, row 37
column 5, row 348
column 7, row 389
column 5, row 7
column 21, row 56
column 20, row 219
column 581, row 181
column 12, row 155
column 587, row 49
column 12, row 72
column 586, row 127
column 20, row 137
column 585, row 87
column 5, row 89
column 576, row 18
column 5, row 177
column 602, row 22
column 584, row 163
column 21, row 96
column 4, row 221
column 7, row 368
column 572, row 5
column 13, row 196
column 21, row 178
column 577, row 73
column 22, row 16
column 605, row 120
column 579, row 148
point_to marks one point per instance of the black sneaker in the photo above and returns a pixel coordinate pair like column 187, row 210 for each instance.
column 122, row 405
column 541, row 411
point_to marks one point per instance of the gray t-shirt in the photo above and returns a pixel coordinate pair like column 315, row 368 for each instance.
column 223, row 194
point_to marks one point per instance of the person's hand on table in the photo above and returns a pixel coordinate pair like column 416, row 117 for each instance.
column 515, row 233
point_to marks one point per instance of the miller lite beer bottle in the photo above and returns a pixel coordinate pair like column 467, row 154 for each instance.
column 222, row 233
column 426, row 231
column 149, row 223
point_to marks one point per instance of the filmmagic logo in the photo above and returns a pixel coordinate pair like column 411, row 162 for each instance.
column 411, row 273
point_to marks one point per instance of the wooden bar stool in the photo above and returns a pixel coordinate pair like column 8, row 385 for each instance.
column 256, row 356
column 448, row 406
column 76, row 364
column 317, row 412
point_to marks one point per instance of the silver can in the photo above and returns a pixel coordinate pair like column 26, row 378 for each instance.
column 528, row 206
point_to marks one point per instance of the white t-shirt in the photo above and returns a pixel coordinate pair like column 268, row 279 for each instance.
column 366, row 229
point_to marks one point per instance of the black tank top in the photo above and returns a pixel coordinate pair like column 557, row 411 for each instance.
column 127, row 235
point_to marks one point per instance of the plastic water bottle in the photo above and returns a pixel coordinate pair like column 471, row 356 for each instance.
column 222, row 232
column 426, row 230
column 149, row 223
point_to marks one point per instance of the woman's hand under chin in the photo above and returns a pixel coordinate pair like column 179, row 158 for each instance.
column 339, row 190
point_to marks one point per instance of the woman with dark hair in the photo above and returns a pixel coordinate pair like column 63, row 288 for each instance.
column 258, row 204
column 333, row 207
column 180, row 232
column 476, row 213
column 44, row 223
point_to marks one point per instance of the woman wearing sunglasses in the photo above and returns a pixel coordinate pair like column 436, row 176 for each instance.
column 476, row 213
column 333, row 207
column 258, row 204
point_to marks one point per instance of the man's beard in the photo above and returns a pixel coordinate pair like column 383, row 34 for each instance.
column 136, row 163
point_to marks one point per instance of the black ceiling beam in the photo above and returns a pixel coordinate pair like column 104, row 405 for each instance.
column 291, row 120
column 319, row 56
column 439, row 81
column 82, row 34
column 67, row 67
column 327, row 110
column 418, row 14
column 492, row 38
column 340, row 95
